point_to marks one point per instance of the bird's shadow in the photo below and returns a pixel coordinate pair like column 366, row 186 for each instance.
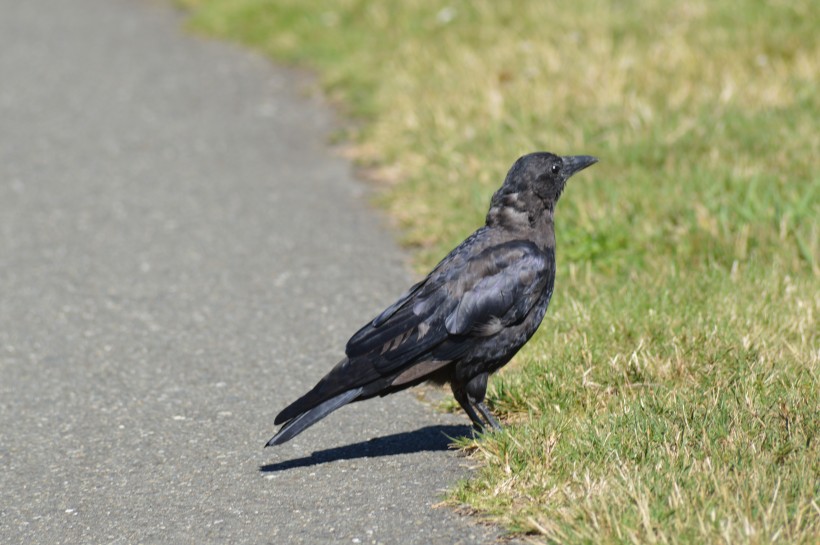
column 431, row 438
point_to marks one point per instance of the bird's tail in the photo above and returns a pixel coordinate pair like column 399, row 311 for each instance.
column 299, row 423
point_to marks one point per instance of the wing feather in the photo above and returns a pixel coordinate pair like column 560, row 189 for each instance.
column 469, row 297
column 501, row 298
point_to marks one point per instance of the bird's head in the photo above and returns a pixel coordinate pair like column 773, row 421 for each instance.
column 534, row 184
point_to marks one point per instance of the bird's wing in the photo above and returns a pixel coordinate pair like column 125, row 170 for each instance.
column 391, row 310
column 408, row 326
column 473, row 296
column 513, row 279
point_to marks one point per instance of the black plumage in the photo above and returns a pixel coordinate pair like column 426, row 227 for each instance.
column 468, row 317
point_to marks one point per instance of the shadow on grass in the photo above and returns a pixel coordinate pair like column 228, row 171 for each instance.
column 431, row 438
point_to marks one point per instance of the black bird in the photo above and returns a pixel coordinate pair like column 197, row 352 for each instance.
column 471, row 314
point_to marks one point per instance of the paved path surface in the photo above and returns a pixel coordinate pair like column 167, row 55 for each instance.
column 180, row 256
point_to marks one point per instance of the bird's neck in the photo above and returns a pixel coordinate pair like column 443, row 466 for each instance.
column 526, row 214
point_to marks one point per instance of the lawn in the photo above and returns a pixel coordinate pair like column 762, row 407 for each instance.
column 672, row 394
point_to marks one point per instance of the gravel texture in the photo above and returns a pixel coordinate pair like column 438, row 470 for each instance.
column 181, row 255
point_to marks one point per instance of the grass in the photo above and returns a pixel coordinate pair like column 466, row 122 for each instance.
column 672, row 394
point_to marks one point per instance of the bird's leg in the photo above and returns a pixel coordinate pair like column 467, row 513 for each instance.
column 464, row 400
column 488, row 416
column 476, row 389
column 471, row 398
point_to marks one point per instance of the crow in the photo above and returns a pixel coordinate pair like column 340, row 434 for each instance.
column 468, row 317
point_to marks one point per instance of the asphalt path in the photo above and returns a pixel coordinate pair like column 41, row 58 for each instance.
column 181, row 255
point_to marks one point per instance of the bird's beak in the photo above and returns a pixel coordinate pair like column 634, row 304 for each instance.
column 575, row 163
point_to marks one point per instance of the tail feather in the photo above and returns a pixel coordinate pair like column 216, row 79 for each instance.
column 345, row 375
column 303, row 421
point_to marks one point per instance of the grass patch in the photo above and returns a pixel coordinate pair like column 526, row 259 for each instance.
column 673, row 392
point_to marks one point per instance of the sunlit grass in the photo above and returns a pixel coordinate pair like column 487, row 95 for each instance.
column 673, row 391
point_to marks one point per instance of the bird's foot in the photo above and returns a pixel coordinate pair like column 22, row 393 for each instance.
column 488, row 416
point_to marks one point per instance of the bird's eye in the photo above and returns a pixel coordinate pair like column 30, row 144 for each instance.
column 556, row 168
